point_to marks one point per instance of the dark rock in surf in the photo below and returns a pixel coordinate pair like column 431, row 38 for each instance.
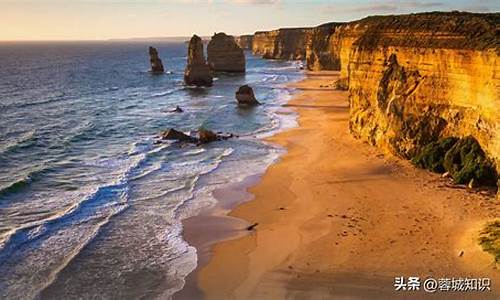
column 207, row 136
column 156, row 63
column 178, row 110
column 246, row 97
column 172, row 134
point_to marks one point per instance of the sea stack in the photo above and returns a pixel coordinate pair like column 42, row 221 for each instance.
column 197, row 70
column 246, row 97
column 224, row 54
column 156, row 64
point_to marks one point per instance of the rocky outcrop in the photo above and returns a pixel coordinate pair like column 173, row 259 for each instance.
column 286, row 43
column 204, row 136
column 224, row 55
column 246, row 97
column 414, row 79
column 244, row 41
column 175, row 135
column 197, row 70
column 156, row 63
column 319, row 52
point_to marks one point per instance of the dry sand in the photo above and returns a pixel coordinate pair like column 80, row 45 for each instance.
column 338, row 219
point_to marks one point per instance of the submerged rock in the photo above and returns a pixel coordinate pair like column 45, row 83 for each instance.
column 204, row 136
column 246, row 97
column 207, row 136
column 178, row 110
column 197, row 70
column 156, row 63
column 172, row 134
column 224, row 55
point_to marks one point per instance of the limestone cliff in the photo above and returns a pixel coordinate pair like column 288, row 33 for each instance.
column 224, row 55
column 286, row 43
column 319, row 52
column 244, row 41
column 415, row 78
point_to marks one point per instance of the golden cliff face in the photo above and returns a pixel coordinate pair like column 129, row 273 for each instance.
column 244, row 41
column 319, row 52
column 416, row 78
column 287, row 43
column 412, row 79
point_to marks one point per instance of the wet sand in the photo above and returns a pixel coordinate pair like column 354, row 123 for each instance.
column 340, row 219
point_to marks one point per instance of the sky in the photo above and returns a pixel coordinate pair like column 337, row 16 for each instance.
column 106, row 19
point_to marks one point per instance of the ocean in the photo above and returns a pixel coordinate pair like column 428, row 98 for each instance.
column 90, row 205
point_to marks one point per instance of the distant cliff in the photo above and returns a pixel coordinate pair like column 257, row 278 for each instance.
column 244, row 41
column 286, row 43
column 320, row 52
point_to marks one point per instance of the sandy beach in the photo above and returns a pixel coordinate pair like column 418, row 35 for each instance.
column 340, row 219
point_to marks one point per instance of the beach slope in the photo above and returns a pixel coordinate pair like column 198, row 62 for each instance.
column 337, row 218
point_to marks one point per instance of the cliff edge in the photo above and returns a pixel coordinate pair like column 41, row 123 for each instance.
column 414, row 79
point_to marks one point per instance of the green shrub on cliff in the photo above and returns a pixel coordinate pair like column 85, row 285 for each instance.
column 466, row 160
column 431, row 157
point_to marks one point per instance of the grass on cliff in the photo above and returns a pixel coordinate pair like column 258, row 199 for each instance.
column 489, row 239
column 462, row 158
column 469, row 30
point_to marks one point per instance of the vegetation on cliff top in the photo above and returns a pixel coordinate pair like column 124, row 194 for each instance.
column 489, row 239
column 462, row 158
column 450, row 30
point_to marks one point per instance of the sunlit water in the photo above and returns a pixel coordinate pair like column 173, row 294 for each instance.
column 90, row 206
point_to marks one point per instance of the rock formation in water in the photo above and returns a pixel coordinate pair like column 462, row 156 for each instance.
column 244, row 41
column 207, row 136
column 246, row 97
column 224, row 55
column 204, row 136
column 197, row 70
column 287, row 43
column 156, row 63
column 175, row 135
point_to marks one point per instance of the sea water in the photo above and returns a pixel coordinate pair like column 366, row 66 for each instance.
column 90, row 205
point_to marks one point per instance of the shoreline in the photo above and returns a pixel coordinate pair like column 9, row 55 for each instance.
column 215, row 224
column 310, row 244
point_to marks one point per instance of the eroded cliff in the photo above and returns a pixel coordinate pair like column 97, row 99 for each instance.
column 416, row 78
column 412, row 79
column 320, row 51
column 244, row 41
column 285, row 43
